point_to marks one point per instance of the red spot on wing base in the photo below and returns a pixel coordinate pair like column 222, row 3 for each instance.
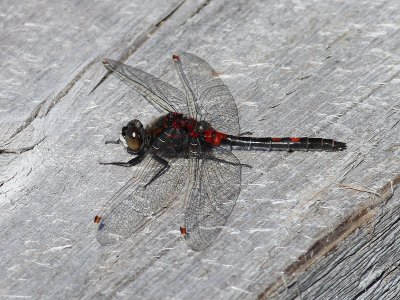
column 295, row 139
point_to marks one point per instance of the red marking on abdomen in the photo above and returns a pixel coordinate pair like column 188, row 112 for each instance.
column 275, row 139
column 295, row 139
column 175, row 57
column 214, row 137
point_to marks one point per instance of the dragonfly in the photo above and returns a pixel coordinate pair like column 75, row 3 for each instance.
column 185, row 154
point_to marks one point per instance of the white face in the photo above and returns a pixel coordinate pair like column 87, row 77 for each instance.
column 123, row 141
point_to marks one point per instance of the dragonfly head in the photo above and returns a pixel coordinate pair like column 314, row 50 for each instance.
column 133, row 136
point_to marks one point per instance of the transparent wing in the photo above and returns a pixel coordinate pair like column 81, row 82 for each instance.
column 156, row 91
column 215, row 189
column 207, row 97
column 134, row 204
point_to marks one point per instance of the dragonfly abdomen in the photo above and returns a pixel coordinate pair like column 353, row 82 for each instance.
column 283, row 143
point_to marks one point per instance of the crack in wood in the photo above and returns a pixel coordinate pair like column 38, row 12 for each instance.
column 199, row 9
column 32, row 116
column 358, row 188
column 169, row 15
column 61, row 94
column 330, row 242
column 21, row 150
column 139, row 42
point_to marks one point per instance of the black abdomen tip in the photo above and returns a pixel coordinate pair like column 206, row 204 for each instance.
column 340, row 146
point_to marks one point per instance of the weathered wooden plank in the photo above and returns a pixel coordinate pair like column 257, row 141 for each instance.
column 363, row 266
column 310, row 68
column 46, row 49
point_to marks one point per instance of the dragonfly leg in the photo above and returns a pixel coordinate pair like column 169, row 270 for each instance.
column 113, row 142
column 130, row 163
column 162, row 171
column 229, row 162
column 246, row 133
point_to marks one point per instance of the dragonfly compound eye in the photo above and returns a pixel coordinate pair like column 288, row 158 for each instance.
column 134, row 139
column 134, row 136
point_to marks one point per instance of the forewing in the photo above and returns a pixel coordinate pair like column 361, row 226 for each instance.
column 134, row 204
column 156, row 91
column 208, row 98
column 215, row 189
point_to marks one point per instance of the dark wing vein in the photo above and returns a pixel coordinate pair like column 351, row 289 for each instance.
column 213, row 196
column 134, row 204
column 156, row 91
column 208, row 98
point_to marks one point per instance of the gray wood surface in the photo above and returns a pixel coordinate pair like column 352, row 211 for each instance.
column 365, row 265
column 314, row 68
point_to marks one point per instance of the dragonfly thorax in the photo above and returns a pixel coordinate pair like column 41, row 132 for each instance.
column 177, row 135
